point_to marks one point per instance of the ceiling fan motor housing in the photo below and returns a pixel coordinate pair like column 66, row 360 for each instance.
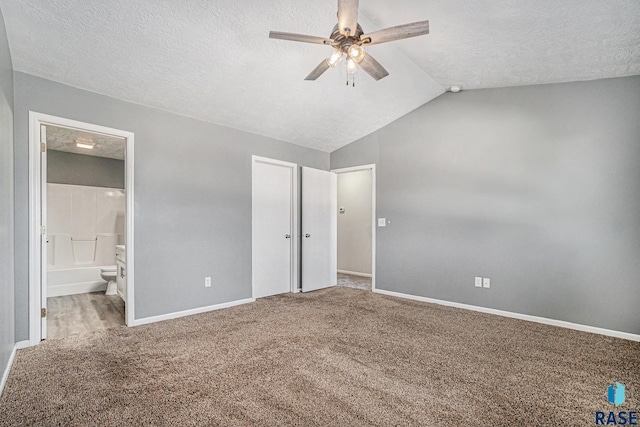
column 343, row 42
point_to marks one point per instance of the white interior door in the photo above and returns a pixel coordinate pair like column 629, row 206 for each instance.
column 43, row 230
column 273, row 236
column 319, row 229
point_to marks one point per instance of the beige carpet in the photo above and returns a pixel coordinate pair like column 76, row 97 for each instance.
column 338, row 357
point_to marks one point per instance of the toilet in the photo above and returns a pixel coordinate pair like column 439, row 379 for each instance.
column 108, row 274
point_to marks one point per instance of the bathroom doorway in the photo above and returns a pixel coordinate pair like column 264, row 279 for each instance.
column 81, row 218
column 356, row 227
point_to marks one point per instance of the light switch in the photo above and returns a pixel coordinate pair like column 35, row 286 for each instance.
column 382, row 222
column 486, row 282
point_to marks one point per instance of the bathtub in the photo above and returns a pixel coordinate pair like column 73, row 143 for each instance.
column 73, row 264
column 74, row 280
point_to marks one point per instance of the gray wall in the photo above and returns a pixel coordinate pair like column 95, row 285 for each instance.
column 192, row 196
column 7, row 340
column 78, row 169
column 537, row 188
column 354, row 225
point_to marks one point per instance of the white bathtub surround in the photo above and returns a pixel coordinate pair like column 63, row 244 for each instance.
column 64, row 251
column 83, row 211
column 84, row 226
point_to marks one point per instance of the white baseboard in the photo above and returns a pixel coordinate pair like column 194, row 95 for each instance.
column 354, row 273
column 530, row 318
column 22, row 344
column 7, row 369
column 75, row 288
column 168, row 316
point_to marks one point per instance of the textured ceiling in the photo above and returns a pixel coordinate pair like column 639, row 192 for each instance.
column 213, row 60
column 64, row 139
column 484, row 44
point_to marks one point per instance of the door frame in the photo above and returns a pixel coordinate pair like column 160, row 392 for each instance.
column 372, row 168
column 36, row 181
column 294, row 285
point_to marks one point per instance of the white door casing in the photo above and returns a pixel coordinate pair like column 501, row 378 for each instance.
column 37, row 216
column 274, row 204
column 319, row 229
column 43, row 229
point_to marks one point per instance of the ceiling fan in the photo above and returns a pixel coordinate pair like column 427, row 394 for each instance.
column 348, row 39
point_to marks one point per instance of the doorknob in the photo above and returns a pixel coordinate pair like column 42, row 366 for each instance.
column 307, row 235
column 287, row 236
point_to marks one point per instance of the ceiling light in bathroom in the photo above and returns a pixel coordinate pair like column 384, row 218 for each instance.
column 84, row 143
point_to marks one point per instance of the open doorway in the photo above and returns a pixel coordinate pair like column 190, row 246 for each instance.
column 356, row 227
column 81, row 216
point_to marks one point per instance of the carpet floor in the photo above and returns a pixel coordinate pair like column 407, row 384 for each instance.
column 336, row 357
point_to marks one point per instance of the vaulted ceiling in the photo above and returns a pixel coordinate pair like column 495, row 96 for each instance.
column 213, row 60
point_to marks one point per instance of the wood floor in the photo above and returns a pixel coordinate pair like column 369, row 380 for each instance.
column 351, row 281
column 76, row 314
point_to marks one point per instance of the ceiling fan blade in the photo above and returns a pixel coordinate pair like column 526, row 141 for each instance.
column 396, row 33
column 373, row 67
column 317, row 72
column 299, row 38
column 347, row 16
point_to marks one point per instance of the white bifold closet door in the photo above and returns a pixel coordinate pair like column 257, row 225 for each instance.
column 319, row 229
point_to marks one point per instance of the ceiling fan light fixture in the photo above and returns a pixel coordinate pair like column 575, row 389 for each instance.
column 335, row 58
column 356, row 52
column 352, row 66
column 348, row 37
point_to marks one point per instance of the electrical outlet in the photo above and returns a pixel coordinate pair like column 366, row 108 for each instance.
column 207, row 282
column 486, row 282
column 478, row 282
